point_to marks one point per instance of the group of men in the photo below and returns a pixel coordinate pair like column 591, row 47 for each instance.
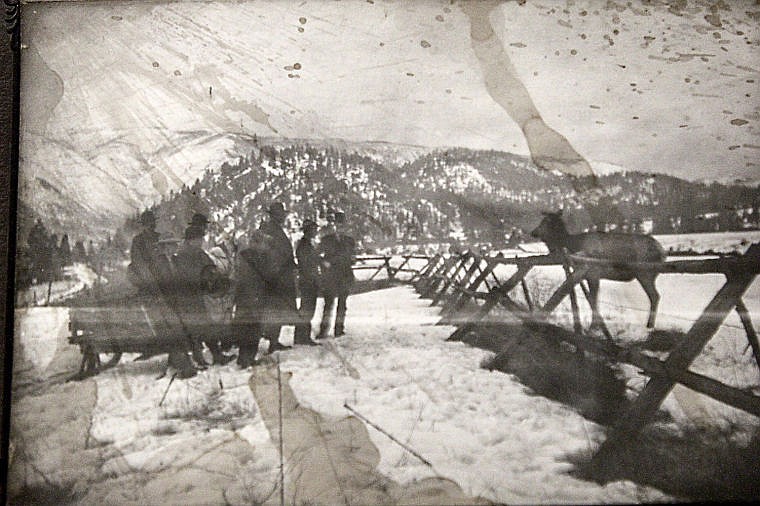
column 267, row 278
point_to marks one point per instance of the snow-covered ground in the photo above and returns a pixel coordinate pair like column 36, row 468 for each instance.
column 76, row 277
column 481, row 429
column 484, row 430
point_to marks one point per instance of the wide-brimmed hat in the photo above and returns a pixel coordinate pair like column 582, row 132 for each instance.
column 199, row 220
column 277, row 208
column 148, row 218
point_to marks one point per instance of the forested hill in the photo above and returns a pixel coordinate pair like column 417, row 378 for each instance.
column 469, row 194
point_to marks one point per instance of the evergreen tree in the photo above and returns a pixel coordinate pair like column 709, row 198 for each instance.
column 64, row 251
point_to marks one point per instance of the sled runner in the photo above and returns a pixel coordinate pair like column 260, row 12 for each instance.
column 142, row 325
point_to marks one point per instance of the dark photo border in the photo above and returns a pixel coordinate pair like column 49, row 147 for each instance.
column 10, row 76
column 9, row 119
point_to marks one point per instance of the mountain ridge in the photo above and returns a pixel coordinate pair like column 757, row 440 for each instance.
column 92, row 193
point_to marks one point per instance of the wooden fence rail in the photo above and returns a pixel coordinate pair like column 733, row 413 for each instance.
column 457, row 281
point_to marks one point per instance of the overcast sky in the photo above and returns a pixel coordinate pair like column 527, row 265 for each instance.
column 646, row 86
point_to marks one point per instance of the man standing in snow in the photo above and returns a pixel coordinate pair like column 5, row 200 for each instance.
column 197, row 275
column 338, row 250
column 254, row 263
column 279, row 296
column 151, row 273
column 142, row 254
column 308, row 281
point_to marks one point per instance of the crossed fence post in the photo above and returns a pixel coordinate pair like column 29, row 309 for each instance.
column 494, row 297
column 462, row 284
column 420, row 279
column 434, row 280
column 466, row 294
column 452, row 278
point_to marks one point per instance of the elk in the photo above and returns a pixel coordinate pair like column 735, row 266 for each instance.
column 616, row 247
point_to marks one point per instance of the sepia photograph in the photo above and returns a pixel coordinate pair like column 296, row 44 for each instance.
column 370, row 252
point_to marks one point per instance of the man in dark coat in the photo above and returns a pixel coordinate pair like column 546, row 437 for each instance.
column 196, row 275
column 308, row 281
column 279, row 296
column 142, row 254
column 151, row 272
column 338, row 250
column 253, row 263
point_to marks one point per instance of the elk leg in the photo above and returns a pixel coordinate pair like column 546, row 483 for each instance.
column 593, row 299
column 647, row 283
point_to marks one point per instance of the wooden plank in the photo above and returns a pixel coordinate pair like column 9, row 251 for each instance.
column 749, row 329
column 398, row 269
column 439, row 266
column 564, row 289
column 462, row 285
column 377, row 271
column 471, row 288
column 452, row 279
column 526, row 294
column 573, row 300
column 534, row 260
column 745, row 264
column 651, row 366
column 432, row 261
column 491, row 301
column 452, row 264
column 657, row 388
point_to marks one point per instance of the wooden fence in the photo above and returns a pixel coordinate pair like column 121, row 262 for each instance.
column 457, row 281
column 380, row 263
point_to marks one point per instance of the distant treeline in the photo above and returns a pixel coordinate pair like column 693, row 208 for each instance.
column 41, row 256
column 484, row 196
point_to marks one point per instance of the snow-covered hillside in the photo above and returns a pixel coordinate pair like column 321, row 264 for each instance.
column 112, row 123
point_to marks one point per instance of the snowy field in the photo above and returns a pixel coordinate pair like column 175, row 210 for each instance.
column 122, row 437
column 77, row 277
column 483, row 430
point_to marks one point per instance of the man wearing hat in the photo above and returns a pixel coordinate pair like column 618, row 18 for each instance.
column 338, row 250
column 308, row 281
column 279, row 297
column 150, row 271
column 253, row 265
column 196, row 275
column 142, row 253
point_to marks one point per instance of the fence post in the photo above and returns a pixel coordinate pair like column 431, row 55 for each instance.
column 424, row 275
column 493, row 299
column 657, row 388
column 749, row 329
column 464, row 296
column 463, row 259
column 388, row 270
column 573, row 296
column 463, row 284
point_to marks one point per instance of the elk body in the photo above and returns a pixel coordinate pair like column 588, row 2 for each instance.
column 616, row 247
